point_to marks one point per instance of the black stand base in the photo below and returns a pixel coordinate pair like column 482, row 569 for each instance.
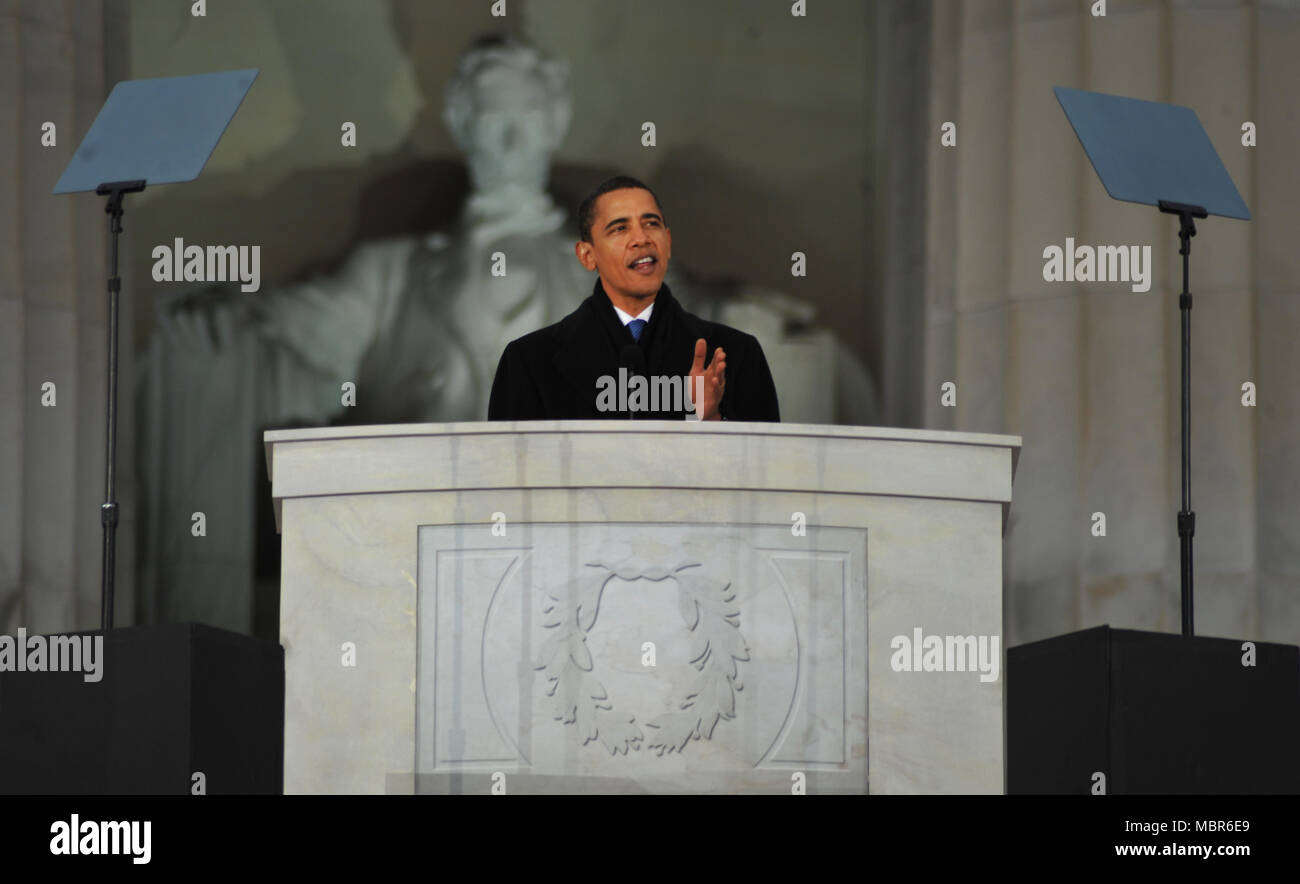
column 1155, row 713
column 174, row 701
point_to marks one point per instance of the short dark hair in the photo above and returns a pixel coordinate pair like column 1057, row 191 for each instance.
column 587, row 209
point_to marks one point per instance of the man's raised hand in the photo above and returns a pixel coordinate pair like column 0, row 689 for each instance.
column 715, row 380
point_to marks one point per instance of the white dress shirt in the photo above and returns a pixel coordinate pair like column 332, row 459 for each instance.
column 626, row 317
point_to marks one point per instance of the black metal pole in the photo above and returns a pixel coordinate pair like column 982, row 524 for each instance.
column 108, row 509
column 1186, row 517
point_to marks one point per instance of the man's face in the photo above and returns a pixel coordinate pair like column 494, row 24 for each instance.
column 627, row 229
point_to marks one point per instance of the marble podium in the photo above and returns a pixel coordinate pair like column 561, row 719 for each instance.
column 641, row 606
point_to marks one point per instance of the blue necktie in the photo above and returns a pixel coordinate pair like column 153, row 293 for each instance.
column 636, row 326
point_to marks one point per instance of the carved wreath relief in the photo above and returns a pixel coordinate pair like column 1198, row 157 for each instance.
column 707, row 607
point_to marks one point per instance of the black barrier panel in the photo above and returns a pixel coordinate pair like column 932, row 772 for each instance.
column 174, row 706
column 1152, row 713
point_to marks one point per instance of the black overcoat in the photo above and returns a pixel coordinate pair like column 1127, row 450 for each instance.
column 554, row 372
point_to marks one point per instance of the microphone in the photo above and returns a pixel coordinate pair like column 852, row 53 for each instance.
column 633, row 359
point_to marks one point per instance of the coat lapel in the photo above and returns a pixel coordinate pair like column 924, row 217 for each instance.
column 586, row 347
column 590, row 342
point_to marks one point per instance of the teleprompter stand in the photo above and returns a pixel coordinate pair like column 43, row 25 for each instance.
column 160, row 709
column 115, row 192
column 1159, row 155
column 158, row 131
column 1117, row 711
column 1186, row 517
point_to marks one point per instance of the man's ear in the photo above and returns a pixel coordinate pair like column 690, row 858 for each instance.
column 585, row 254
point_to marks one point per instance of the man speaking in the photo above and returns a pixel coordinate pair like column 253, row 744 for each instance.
column 630, row 350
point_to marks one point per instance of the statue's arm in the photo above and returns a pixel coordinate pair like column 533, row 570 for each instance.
column 328, row 321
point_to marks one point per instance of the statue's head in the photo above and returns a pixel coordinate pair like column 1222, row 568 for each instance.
column 508, row 107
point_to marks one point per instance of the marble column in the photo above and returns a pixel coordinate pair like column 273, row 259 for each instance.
column 54, row 67
column 1088, row 373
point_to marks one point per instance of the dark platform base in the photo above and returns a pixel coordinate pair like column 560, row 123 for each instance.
column 174, row 701
column 1156, row 713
